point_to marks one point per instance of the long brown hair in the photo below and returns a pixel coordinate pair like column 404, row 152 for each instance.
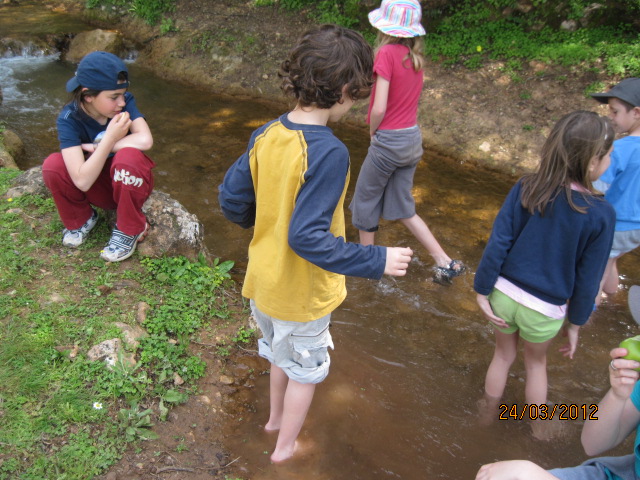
column 414, row 44
column 566, row 155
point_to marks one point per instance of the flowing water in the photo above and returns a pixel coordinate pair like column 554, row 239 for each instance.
column 410, row 358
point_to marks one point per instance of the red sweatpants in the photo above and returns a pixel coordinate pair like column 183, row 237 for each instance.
column 125, row 183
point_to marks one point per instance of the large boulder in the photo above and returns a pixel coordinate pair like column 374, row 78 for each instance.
column 11, row 148
column 174, row 231
column 87, row 42
column 6, row 160
column 30, row 182
column 13, row 144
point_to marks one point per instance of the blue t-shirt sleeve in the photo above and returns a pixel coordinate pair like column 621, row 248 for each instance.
column 71, row 131
column 635, row 396
column 635, row 399
column 617, row 165
column 610, row 173
column 132, row 107
column 309, row 229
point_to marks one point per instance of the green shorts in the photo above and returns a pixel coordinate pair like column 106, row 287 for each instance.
column 533, row 326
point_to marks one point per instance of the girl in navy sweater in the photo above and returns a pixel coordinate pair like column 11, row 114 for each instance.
column 548, row 248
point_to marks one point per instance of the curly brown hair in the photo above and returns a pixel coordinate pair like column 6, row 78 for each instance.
column 324, row 60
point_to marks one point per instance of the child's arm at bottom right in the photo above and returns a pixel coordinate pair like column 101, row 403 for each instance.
column 617, row 413
column 397, row 261
column 617, row 417
column 513, row 470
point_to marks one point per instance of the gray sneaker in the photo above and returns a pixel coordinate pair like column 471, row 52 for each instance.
column 75, row 238
column 121, row 245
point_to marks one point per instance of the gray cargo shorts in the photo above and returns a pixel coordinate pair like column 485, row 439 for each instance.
column 301, row 349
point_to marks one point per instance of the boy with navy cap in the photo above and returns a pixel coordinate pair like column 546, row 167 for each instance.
column 101, row 70
column 622, row 178
column 102, row 136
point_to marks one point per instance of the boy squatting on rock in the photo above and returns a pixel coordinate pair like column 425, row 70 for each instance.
column 101, row 162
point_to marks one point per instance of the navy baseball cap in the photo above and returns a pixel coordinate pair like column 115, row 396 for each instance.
column 627, row 90
column 99, row 71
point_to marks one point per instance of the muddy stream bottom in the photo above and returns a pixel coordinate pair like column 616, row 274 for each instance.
column 411, row 355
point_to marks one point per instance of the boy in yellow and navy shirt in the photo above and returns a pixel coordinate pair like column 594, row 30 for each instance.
column 290, row 186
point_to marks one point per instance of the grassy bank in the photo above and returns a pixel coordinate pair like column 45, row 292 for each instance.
column 61, row 415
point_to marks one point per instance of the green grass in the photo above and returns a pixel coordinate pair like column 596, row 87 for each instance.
column 470, row 33
column 614, row 49
column 62, row 416
column 466, row 32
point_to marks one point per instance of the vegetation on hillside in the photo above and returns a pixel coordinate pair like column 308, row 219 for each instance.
column 577, row 33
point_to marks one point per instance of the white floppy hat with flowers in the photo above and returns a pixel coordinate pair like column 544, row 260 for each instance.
column 398, row 18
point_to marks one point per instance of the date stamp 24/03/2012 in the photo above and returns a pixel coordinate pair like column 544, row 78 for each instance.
column 563, row 411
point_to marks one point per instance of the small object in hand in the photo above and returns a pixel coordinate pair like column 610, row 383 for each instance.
column 97, row 140
column 632, row 345
column 445, row 275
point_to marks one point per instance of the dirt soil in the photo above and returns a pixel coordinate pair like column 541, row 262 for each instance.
column 191, row 442
column 491, row 117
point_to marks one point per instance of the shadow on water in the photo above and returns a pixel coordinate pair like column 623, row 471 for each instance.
column 410, row 355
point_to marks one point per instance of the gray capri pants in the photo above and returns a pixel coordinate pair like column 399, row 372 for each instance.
column 383, row 189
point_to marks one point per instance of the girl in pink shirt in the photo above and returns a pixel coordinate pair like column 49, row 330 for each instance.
column 383, row 189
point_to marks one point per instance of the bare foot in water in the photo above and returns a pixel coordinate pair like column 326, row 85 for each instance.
column 546, row 430
column 487, row 410
column 302, row 448
column 271, row 428
column 284, row 454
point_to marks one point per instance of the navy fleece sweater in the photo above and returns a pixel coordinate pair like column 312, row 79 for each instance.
column 558, row 257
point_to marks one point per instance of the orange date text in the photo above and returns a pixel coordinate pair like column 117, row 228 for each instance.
column 563, row 411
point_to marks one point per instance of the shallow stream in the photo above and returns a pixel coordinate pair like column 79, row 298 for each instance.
column 410, row 358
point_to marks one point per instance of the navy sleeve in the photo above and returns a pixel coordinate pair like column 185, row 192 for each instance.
column 236, row 194
column 591, row 266
column 132, row 107
column 500, row 242
column 309, row 230
column 70, row 132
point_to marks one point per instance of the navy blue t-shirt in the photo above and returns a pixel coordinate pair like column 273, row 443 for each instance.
column 75, row 127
